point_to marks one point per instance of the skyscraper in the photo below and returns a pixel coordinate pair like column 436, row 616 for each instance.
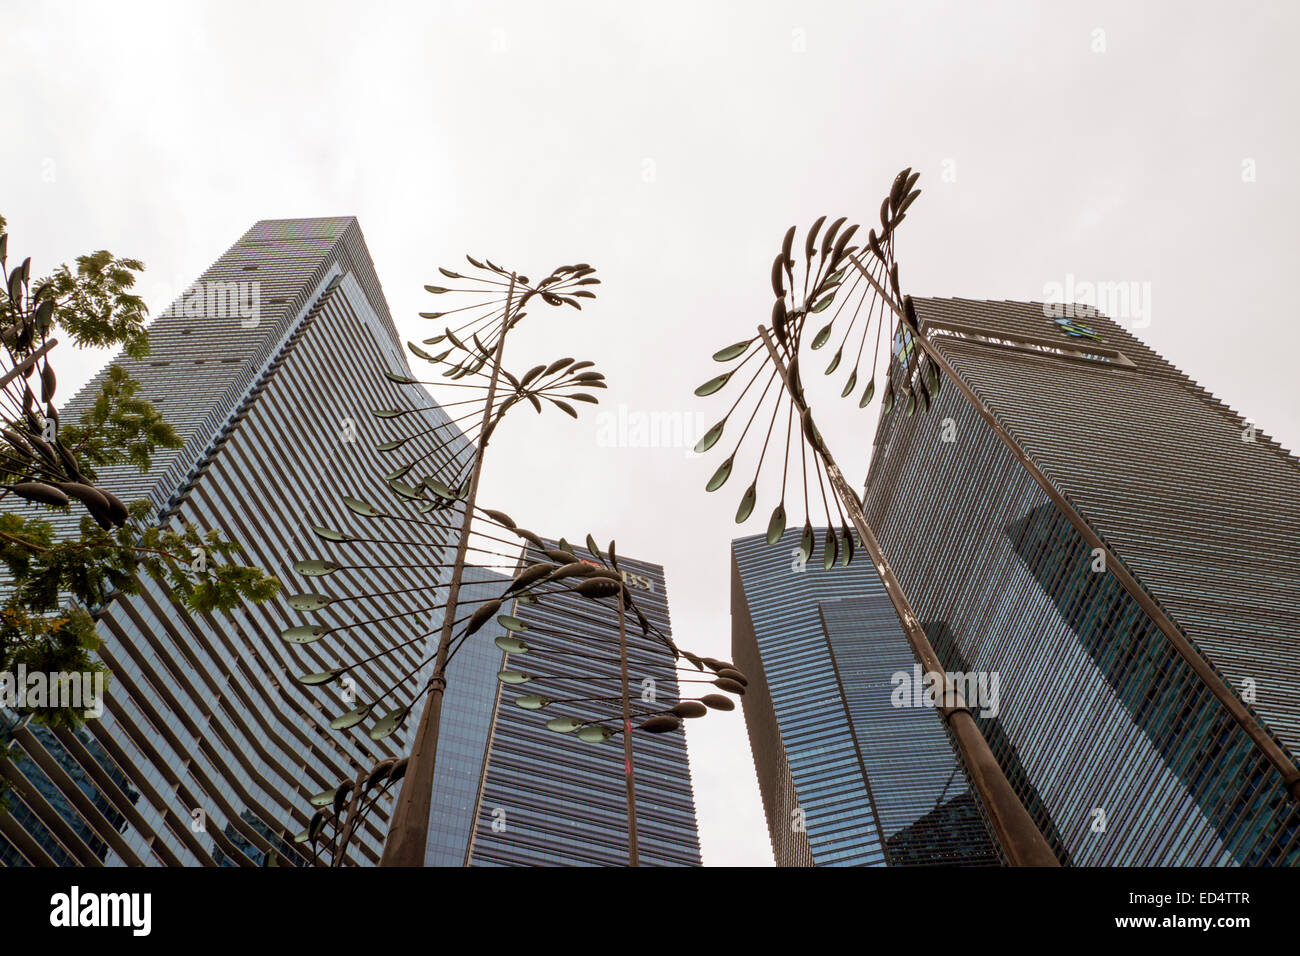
column 268, row 367
column 924, row 808
column 550, row 799
column 1121, row 721
column 523, row 795
column 847, row 777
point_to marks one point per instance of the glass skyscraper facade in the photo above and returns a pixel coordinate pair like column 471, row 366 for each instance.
column 1116, row 744
column 207, row 751
column 465, row 729
column 925, row 811
column 539, row 798
column 269, row 368
column 846, row 777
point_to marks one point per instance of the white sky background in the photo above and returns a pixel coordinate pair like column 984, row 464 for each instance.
column 670, row 145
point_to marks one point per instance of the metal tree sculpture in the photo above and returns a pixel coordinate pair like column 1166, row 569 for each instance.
column 548, row 572
column 861, row 282
column 34, row 464
column 473, row 360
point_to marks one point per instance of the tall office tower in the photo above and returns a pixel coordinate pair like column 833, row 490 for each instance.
column 547, row 799
column 1120, row 721
column 851, row 774
column 269, row 368
column 465, row 728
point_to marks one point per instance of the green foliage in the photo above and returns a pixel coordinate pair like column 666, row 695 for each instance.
column 44, row 624
column 95, row 305
column 54, row 585
column 119, row 428
column 54, row 642
column 199, row 567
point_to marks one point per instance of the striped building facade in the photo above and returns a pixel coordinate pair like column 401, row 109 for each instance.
column 847, row 778
column 207, row 751
column 1108, row 727
column 269, row 369
column 550, row 799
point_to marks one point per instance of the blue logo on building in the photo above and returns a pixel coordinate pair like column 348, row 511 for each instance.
column 1076, row 330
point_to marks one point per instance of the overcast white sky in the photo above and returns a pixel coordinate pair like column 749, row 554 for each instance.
column 670, row 144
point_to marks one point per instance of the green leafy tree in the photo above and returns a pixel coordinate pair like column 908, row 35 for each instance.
column 56, row 583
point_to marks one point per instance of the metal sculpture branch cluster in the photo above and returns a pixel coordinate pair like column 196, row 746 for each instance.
column 831, row 271
column 445, row 478
column 861, row 283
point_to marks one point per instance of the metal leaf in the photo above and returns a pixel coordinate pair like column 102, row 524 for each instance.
column 304, row 633
column 776, row 524
column 868, row 394
column 405, row 490
column 810, row 242
column 482, row 615
column 718, row 702
column 320, row 677
column 747, row 504
column 720, row 476
column 778, row 276
column 324, row 798
column 579, row 568
column 710, row 438
column 352, row 717
column 713, row 384
column 500, row 517
column 598, row 588
column 732, row 351
column 439, row 488
column 806, row 543
column 660, row 724
column 308, row 601
column 389, row 723
column 41, row 493
column 357, row 506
